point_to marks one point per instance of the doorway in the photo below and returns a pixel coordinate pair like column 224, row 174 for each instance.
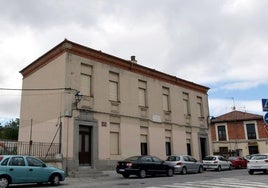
column 203, row 143
column 85, row 142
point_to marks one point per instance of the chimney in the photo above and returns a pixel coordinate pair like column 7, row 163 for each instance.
column 133, row 59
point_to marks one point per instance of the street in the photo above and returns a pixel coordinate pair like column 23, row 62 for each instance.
column 233, row 178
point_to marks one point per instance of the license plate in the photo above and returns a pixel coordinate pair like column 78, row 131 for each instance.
column 121, row 170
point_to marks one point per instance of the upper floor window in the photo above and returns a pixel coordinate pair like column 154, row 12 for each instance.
column 86, row 80
column 200, row 107
column 221, row 133
column 251, row 131
column 186, row 108
column 142, row 93
column 165, row 98
column 113, row 86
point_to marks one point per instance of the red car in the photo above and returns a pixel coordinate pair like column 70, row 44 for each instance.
column 238, row 162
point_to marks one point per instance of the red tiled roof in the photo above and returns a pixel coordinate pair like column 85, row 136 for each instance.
column 236, row 116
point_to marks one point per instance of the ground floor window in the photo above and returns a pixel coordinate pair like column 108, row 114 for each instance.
column 168, row 147
column 223, row 150
column 114, row 143
column 253, row 149
column 144, row 148
column 189, row 149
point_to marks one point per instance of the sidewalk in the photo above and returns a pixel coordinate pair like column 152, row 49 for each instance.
column 107, row 177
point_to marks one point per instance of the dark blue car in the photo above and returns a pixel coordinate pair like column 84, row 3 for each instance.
column 142, row 166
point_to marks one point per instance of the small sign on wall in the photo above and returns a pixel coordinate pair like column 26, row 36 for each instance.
column 104, row 124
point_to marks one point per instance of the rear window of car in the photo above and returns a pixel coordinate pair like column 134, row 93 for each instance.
column 232, row 158
column 135, row 158
column 209, row 158
column 258, row 157
column 173, row 158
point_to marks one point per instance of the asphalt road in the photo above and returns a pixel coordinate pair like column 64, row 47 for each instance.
column 229, row 178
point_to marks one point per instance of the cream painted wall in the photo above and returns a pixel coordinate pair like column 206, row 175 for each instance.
column 157, row 141
column 179, row 140
column 45, row 107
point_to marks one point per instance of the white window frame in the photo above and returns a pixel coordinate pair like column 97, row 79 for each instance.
column 166, row 99
column 226, row 130
column 186, row 104
column 256, row 129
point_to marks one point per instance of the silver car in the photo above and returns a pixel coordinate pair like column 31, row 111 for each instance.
column 258, row 162
column 216, row 162
column 184, row 164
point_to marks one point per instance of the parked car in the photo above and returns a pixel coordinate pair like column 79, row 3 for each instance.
column 17, row 169
column 238, row 162
column 216, row 162
column 184, row 164
column 142, row 166
column 258, row 162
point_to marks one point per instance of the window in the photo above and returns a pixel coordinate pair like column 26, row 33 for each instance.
column 253, row 150
column 85, row 79
column 144, row 148
column 221, row 133
column 200, row 107
column 223, row 150
column 186, row 108
column 165, row 98
column 251, row 132
column 113, row 86
column 168, row 147
column 144, row 139
column 114, row 139
column 189, row 150
column 142, row 93
column 17, row 161
column 168, row 142
column 34, row 162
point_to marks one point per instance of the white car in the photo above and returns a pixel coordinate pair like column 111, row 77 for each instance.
column 258, row 162
column 216, row 162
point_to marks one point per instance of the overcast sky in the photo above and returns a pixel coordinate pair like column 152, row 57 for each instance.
column 221, row 44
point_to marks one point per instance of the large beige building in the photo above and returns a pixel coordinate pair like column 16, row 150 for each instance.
column 110, row 108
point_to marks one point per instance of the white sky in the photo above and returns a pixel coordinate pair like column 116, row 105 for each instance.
column 222, row 44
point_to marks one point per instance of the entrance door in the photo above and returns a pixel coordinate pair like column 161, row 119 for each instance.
column 85, row 145
column 203, row 143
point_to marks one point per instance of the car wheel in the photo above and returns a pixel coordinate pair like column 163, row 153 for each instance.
column 55, row 180
column 125, row 175
column 230, row 167
column 184, row 171
column 170, row 172
column 200, row 169
column 240, row 166
column 4, row 182
column 219, row 168
column 251, row 172
column 142, row 173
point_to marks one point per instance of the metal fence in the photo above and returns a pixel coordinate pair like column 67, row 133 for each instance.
column 38, row 149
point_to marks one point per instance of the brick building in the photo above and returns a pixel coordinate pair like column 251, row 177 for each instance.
column 238, row 133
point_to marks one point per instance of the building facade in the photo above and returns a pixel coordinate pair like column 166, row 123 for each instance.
column 101, row 108
column 238, row 133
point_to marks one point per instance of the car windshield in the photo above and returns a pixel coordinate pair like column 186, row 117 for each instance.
column 209, row 158
column 134, row 158
column 172, row 158
column 258, row 157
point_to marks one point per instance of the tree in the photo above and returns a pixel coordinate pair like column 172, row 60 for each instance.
column 10, row 130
